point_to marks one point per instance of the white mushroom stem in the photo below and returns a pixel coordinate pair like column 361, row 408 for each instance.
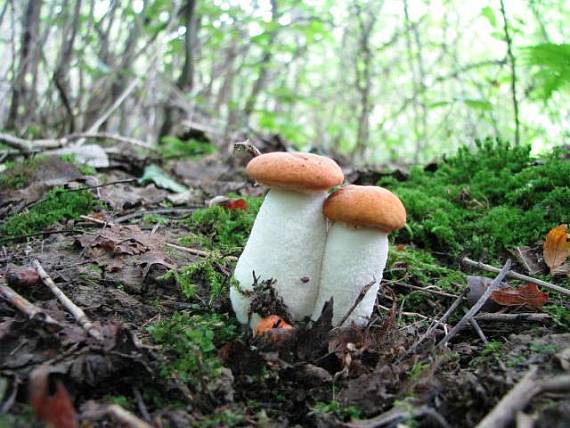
column 354, row 257
column 287, row 244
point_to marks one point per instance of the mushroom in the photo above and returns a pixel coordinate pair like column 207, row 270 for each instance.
column 356, row 249
column 288, row 236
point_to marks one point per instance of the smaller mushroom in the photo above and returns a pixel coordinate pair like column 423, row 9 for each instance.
column 356, row 249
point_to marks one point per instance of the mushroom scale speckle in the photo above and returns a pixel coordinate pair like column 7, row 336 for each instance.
column 356, row 249
column 288, row 237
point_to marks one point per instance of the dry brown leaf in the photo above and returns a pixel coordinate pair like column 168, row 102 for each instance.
column 56, row 410
column 556, row 247
column 529, row 295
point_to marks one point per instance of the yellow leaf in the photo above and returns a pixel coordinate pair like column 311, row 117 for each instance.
column 556, row 247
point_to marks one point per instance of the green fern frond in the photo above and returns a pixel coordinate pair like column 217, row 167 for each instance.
column 552, row 62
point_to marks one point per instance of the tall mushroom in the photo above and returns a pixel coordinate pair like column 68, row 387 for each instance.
column 356, row 249
column 287, row 240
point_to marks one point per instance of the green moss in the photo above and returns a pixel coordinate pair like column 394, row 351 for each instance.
column 485, row 202
column 17, row 175
column 224, row 229
column 203, row 273
column 493, row 347
column 343, row 412
column 190, row 343
column 560, row 314
column 420, row 268
column 224, row 418
column 59, row 204
column 172, row 147
column 82, row 167
column 155, row 218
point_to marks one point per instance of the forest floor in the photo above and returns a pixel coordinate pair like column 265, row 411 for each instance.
column 150, row 263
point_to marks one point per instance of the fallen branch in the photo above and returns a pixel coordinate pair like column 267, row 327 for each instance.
column 513, row 317
column 75, row 310
column 123, row 416
column 516, row 275
column 392, row 416
column 25, row 306
column 477, row 306
column 32, row 146
column 516, row 400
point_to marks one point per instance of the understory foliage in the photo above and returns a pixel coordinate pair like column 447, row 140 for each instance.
column 190, row 341
column 486, row 201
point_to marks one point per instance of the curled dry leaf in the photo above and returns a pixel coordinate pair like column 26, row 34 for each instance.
column 55, row 410
column 22, row 276
column 556, row 247
column 529, row 295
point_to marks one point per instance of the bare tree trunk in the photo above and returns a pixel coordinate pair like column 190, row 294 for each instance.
column 185, row 80
column 363, row 68
column 512, row 62
column 22, row 94
column 265, row 60
column 61, row 73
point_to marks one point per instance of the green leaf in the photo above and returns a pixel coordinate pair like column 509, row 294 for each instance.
column 437, row 104
column 478, row 104
column 488, row 13
column 153, row 174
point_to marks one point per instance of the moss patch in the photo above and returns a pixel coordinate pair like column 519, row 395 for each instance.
column 485, row 202
column 224, row 229
column 175, row 148
column 59, row 204
column 190, row 342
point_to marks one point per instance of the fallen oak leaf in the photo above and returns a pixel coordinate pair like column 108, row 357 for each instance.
column 529, row 295
column 556, row 247
column 56, row 410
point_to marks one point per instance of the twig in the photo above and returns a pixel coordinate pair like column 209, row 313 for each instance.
column 181, row 211
column 120, row 414
column 97, row 186
column 141, row 405
column 25, row 306
column 475, row 325
column 477, row 306
column 516, row 400
column 248, row 147
column 441, row 321
column 358, row 299
column 197, row 252
column 407, row 314
column 513, row 317
column 515, row 275
column 75, row 310
column 423, row 289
